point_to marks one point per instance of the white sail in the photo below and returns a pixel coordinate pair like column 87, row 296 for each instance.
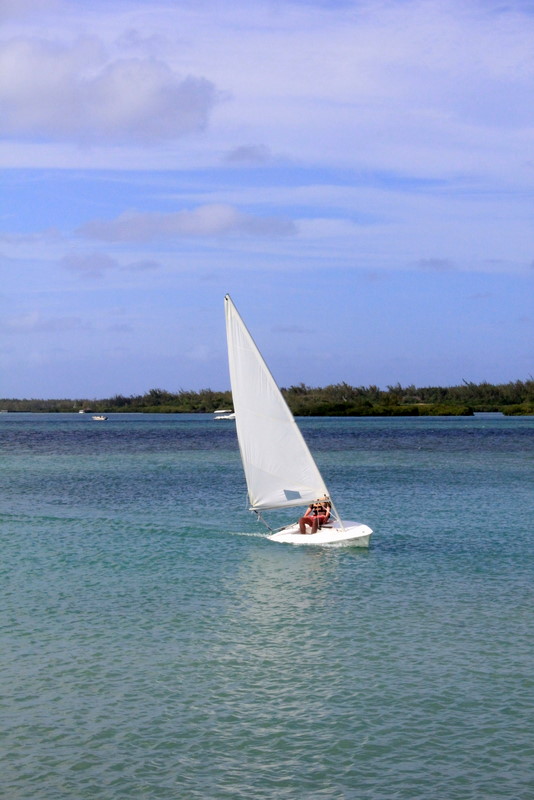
column 279, row 468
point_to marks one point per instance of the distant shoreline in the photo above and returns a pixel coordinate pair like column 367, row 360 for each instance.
column 340, row 400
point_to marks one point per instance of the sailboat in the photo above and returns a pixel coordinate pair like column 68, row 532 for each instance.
column 280, row 471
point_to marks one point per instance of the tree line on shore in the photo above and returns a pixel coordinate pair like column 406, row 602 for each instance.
column 514, row 398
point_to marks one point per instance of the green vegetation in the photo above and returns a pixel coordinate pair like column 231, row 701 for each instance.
column 339, row 400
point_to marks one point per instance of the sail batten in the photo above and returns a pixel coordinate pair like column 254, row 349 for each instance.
column 279, row 469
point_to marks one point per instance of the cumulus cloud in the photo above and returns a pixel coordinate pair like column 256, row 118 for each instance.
column 207, row 220
column 54, row 91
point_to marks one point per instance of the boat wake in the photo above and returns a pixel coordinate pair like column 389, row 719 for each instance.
column 248, row 533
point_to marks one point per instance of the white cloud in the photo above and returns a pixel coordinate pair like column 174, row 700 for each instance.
column 57, row 91
column 405, row 128
column 434, row 87
column 208, row 220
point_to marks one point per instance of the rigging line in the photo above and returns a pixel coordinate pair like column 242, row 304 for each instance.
column 260, row 519
column 336, row 515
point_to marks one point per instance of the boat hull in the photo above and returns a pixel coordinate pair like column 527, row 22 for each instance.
column 355, row 534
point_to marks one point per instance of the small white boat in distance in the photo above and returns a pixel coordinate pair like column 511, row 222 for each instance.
column 279, row 469
column 223, row 413
column 99, row 417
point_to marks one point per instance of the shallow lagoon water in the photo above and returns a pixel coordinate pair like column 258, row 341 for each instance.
column 156, row 645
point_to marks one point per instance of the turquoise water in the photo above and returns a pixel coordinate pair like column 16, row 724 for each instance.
column 155, row 645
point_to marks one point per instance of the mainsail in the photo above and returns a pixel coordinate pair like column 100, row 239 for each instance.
column 279, row 469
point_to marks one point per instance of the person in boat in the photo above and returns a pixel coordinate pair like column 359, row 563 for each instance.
column 316, row 515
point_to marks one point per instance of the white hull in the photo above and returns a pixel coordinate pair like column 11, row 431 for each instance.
column 354, row 533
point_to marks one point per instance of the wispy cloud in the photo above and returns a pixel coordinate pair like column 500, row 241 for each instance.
column 96, row 265
column 292, row 329
column 249, row 155
column 35, row 322
column 208, row 220
column 13, row 9
column 200, row 352
column 436, row 264
column 51, row 235
column 90, row 265
column 144, row 265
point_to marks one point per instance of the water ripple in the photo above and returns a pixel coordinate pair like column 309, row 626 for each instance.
column 156, row 645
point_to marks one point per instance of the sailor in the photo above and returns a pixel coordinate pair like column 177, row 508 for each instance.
column 316, row 515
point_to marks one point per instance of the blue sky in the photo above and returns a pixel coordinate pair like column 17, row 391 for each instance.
column 357, row 175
